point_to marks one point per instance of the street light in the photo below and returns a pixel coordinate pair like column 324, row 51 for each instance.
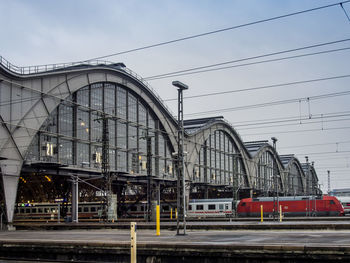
column 181, row 200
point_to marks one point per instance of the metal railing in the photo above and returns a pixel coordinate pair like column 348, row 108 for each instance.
column 52, row 67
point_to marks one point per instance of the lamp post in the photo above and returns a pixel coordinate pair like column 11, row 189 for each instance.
column 181, row 200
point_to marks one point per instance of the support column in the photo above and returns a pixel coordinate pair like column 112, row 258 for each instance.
column 11, row 170
column 75, row 199
column 206, row 192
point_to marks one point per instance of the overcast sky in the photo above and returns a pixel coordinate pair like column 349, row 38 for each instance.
column 45, row 32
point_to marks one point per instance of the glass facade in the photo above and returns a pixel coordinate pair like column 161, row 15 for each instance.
column 219, row 162
column 72, row 134
column 267, row 168
column 294, row 181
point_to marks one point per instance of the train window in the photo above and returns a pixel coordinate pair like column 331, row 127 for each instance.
column 243, row 204
column 28, row 211
column 332, row 202
column 21, row 210
column 226, row 206
column 221, row 206
column 211, row 207
column 199, row 207
column 190, row 207
column 133, row 208
column 47, row 210
column 33, row 210
column 40, row 210
column 86, row 209
column 79, row 210
column 93, row 209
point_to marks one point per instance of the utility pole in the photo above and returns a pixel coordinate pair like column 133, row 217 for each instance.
column 235, row 184
column 109, row 209
column 329, row 181
column 181, row 191
column 275, row 195
column 308, row 183
column 149, row 174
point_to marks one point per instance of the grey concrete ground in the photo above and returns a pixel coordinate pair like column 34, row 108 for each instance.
column 249, row 237
column 107, row 245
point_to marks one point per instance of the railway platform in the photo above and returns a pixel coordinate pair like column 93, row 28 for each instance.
column 113, row 245
column 315, row 224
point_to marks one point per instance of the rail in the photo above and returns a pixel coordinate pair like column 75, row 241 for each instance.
column 51, row 67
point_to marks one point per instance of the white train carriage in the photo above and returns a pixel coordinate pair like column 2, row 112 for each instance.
column 210, row 207
column 345, row 201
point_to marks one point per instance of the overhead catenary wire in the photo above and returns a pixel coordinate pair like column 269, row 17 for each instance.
column 346, row 13
column 296, row 131
column 271, row 103
column 218, row 31
column 214, row 67
column 314, row 144
column 293, row 124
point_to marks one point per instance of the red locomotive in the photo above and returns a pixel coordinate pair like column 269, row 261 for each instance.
column 291, row 206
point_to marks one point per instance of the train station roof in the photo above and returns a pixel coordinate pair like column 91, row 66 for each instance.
column 194, row 125
column 254, row 146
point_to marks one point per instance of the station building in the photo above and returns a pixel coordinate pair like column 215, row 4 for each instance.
column 52, row 124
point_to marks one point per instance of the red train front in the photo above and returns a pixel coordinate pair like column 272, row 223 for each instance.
column 291, row 206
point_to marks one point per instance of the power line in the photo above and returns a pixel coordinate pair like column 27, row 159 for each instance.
column 264, row 87
column 341, row 5
column 304, row 118
column 218, row 31
column 293, row 118
column 315, row 144
column 321, row 153
column 293, row 124
column 271, row 103
column 197, row 70
column 296, row 131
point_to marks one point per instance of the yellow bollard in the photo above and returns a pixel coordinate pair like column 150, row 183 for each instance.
column 133, row 242
column 262, row 213
column 280, row 213
column 175, row 213
column 158, row 221
column 171, row 213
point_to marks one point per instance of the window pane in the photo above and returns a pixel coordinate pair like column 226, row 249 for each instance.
column 121, row 135
column 109, row 97
column 83, row 124
column 121, row 103
column 66, row 151
column 66, row 120
column 121, row 161
column 96, row 96
column 83, row 97
column 96, row 128
column 83, row 154
column 132, row 108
